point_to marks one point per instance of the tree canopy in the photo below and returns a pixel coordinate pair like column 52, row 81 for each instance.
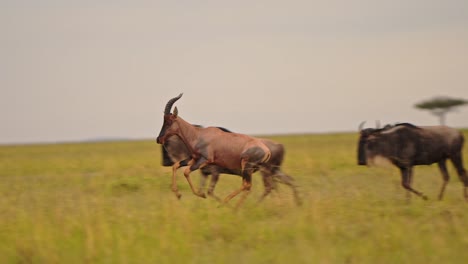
column 441, row 103
column 440, row 106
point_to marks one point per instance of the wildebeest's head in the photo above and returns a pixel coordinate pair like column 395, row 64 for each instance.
column 378, row 143
column 368, row 143
column 170, row 125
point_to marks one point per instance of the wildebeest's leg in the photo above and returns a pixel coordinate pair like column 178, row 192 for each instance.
column 458, row 163
column 406, row 182
column 194, row 165
column 410, row 182
column 445, row 176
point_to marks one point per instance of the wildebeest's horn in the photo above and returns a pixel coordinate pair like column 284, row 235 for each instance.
column 169, row 104
column 361, row 126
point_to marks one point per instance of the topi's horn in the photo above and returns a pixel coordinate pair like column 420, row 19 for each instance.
column 361, row 126
column 169, row 104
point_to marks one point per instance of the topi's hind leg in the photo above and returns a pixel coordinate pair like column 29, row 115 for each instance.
column 236, row 192
column 445, row 176
column 246, row 185
column 458, row 163
column 267, row 183
column 288, row 180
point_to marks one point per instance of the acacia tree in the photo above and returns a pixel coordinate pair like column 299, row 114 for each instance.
column 440, row 106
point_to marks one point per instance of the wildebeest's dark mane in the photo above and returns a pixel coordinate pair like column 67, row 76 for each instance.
column 407, row 125
column 389, row 126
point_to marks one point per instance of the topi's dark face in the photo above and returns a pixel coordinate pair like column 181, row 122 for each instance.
column 167, row 129
column 169, row 120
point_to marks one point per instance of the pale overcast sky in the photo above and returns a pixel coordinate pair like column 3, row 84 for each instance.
column 77, row 70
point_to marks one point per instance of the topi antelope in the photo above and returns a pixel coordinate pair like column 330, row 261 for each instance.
column 176, row 154
column 212, row 146
column 406, row 145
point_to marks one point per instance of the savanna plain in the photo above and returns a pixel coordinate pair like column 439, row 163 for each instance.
column 111, row 202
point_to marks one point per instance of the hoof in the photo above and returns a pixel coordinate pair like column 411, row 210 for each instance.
column 178, row 195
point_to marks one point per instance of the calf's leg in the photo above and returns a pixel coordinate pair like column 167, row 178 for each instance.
column 203, row 177
column 213, row 182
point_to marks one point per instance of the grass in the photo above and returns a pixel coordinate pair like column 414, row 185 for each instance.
column 111, row 203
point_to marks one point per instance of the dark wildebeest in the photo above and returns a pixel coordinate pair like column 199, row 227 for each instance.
column 406, row 145
column 212, row 146
column 176, row 154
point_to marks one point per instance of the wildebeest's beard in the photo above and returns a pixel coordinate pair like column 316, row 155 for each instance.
column 376, row 151
column 362, row 151
column 362, row 145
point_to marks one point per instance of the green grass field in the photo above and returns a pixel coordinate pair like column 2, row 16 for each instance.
column 112, row 203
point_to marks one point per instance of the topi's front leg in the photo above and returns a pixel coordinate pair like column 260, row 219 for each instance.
column 194, row 165
column 174, row 183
